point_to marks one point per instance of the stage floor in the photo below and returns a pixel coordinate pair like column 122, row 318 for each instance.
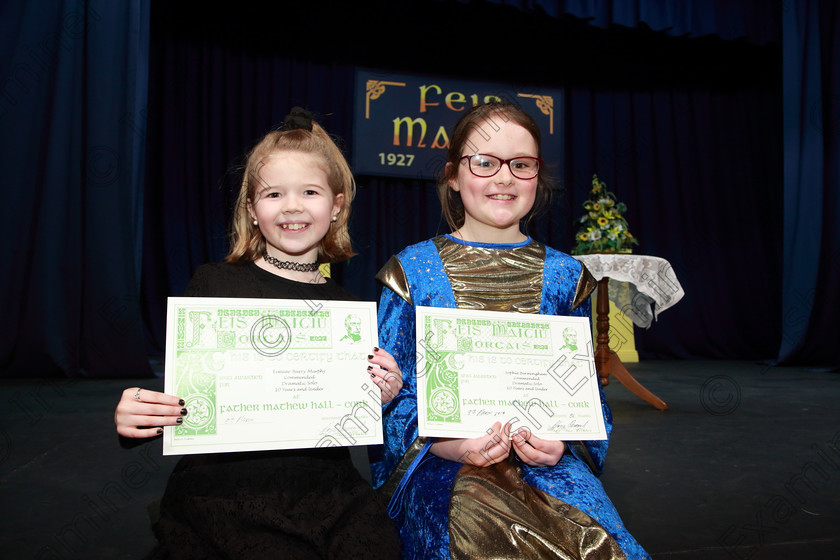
column 745, row 464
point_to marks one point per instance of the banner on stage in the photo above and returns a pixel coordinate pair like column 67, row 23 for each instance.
column 402, row 121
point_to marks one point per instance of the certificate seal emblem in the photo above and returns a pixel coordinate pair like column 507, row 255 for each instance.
column 443, row 401
column 202, row 416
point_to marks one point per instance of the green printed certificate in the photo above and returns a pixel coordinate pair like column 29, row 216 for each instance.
column 534, row 371
column 262, row 374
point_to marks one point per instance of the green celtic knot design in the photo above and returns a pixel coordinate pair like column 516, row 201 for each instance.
column 442, row 390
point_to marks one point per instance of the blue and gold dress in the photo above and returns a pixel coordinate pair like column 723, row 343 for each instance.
column 525, row 277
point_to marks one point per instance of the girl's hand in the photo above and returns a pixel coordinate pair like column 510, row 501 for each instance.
column 385, row 373
column 479, row 452
column 142, row 413
column 535, row 451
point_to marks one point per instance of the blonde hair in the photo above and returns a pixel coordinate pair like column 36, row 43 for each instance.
column 247, row 242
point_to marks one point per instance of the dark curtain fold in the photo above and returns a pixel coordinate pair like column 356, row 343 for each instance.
column 756, row 20
column 71, row 130
column 387, row 216
column 811, row 290
column 700, row 173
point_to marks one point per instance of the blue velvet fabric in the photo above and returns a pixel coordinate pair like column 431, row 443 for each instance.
column 422, row 516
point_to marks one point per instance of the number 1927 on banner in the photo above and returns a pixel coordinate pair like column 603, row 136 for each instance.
column 537, row 372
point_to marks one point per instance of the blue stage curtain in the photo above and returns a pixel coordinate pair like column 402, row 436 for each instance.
column 755, row 20
column 695, row 152
column 811, row 280
column 794, row 304
column 72, row 134
column 214, row 94
column 685, row 127
column 700, row 172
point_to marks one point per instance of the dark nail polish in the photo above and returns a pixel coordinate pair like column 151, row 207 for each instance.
column 183, row 412
column 182, row 402
column 376, row 348
column 160, row 431
column 372, row 376
column 370, row 356
column 370, row 368
column 179, row 420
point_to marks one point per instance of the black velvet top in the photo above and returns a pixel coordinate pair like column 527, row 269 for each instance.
column 294, row 503
column 247, row 280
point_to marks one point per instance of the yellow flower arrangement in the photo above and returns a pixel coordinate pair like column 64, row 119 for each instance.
column 603, row 229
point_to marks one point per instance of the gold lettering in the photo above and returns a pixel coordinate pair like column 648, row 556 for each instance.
column 409, row 122
column 423, row 103
column 441, row 135
column 455, row 97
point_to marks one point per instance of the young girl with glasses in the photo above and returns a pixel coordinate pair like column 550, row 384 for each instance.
column 502, row 495
column 291, row 215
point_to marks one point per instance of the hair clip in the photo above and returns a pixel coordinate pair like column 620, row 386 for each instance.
column 298, row 118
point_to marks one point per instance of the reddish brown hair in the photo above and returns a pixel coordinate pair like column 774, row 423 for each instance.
column 482, row 117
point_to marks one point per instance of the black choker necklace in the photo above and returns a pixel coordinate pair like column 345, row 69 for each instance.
column 289, row 265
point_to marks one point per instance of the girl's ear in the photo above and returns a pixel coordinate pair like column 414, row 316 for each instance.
column 250, row 207
column 453, row 182
column 338, row 204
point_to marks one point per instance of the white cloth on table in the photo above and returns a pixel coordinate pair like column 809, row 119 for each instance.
column 641, row 286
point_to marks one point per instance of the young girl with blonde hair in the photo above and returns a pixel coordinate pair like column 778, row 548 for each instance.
column 291, row 216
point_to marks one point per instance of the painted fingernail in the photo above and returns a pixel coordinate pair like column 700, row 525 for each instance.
column 179, row 420
column 160, row 430
column 182, row 402
column 183, row 412
column 370, row 356
column 372, row 376
column 370, row 368
column 376, row 348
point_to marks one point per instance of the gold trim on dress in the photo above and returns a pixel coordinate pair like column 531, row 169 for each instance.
column 585, row 286
column 494, row 279
column 494, row 513
column 392, row 275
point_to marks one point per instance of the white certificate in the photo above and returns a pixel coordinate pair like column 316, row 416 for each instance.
column 478, row 367
column 260, row 374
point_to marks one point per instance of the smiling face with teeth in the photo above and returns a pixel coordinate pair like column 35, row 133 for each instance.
column 494, row 206
column 294, row 205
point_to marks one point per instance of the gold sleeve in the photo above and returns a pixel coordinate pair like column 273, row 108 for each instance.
column 585, row 286
column 392, row 276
